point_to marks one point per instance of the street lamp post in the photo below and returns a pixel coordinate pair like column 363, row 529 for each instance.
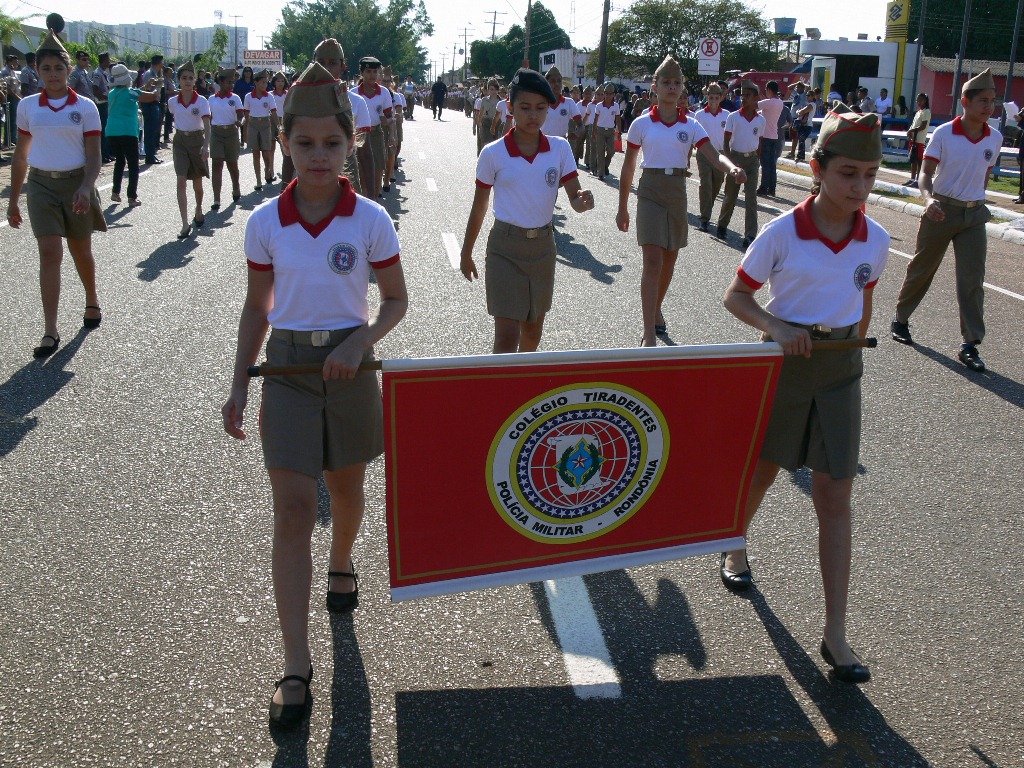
column 236, row 18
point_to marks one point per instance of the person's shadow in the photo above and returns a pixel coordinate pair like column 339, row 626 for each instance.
column 1009, row 390
column 172, row 255
column 573, row 254
column 31, row 386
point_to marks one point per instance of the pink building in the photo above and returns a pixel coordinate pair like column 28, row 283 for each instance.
column 937, row 81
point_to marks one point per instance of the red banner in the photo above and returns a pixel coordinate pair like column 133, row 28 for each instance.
column 517, row 468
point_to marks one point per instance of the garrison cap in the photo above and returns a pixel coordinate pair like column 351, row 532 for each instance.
column 553, row 72
column 531, row 81
column 329, row 49
column 980, row 81
column 314, row 94
column 848, row 134
column 713, row 88
column 608, row 88
column 51, row 43
column 263, row 73
column 188, row 66
column 668, row 68
column 750, row 85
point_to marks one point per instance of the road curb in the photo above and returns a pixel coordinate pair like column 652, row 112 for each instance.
column 1011, row 231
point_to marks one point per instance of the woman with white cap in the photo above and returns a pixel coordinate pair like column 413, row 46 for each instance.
column 123, row 130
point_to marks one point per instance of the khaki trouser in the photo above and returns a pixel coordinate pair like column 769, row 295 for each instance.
column 603, row 151
column 965, row 228
column 711, row 180
column 751, row 164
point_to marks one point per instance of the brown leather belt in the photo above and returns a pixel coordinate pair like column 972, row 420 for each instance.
column 958, row 203
column 529, row 234
column 670, row 171
column 74, row 173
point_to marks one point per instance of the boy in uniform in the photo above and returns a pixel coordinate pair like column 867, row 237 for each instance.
column 564, row 113
column 381, row 109
column 963, row 152
column 486, row 109
column 607, row 123
column 712, row 119
column 359, row 165
column 744, row 131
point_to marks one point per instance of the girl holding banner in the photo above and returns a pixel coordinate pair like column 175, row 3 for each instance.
column 329, row 422
column 821, row 262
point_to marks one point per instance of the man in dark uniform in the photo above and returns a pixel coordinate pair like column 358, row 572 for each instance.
column 438, row 91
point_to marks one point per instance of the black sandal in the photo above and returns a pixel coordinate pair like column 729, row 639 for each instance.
column 185, row 232
column 198, row 223
column 47, row 349
column 343, row 602
column 291, row 715
column 91, row 322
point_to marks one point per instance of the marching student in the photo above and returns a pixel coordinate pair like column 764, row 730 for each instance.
column 502, row 115
column 525, row 169
column 328, row 423
column 381, row 109
column 359, row 166
column 191, row 147
column 485, row 110
column 59, row 150
column 260, row 107
column 607, row 124
column 279, row 88
column 821, row 261
column 583, row 144
column 666, row 136
column 225, row 145
column 565, row 113
column 387, row 83
column 401, row 110
column 712, row 119
column 744, row 131
column 959, row 155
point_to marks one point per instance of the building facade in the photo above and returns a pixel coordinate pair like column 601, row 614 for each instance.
column 177, row 43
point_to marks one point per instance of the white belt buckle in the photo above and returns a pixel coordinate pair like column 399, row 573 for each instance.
column 532, row 234
column 320, row 338
column 670, row 171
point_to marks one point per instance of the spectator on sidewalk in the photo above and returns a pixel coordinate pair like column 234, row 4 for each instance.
column 152, row 115
column 101, row 90
column 123, row 130
column 771, row 109
column 10, row 87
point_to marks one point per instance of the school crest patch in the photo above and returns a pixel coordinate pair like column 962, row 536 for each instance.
column 755, row 131
column 576, row 462
column 75, row 117
column 342, row 258
column 862, row 276
column 563, row 111
column 195, row 111
column 551, row 177
column 988, row 155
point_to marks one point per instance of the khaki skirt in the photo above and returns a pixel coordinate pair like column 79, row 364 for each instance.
column 187, row 148
column 661, row 210
column 815, row 419
column 225, row 143
column 310, row 425
column 49, row 203
column 258, row 135
column 519, row 272
column 379, row 148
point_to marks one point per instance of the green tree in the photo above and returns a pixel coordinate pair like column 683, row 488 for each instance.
column 98, row 41
column 214, row 55
column 650, row 29
column 989, row 34
column 504, row 55
column 10, row 29
column 363, row 27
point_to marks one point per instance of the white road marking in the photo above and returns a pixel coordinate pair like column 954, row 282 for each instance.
column 995, row 288
column 431, row 185
column 587, row 659
column 423, row 155
column 451, row 245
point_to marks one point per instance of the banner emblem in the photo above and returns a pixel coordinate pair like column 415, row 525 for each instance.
column 576, row 462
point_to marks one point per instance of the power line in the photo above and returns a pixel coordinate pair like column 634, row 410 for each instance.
column 494, row 20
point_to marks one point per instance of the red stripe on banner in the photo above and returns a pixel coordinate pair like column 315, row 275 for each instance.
column 493, row 470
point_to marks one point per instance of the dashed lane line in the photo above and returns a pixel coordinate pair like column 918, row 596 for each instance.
column 995, row 288
column 451, row 246
column 423, row 155
column 587, row 659
column 431, row 185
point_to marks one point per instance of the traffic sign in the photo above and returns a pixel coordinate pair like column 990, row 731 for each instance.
column 264, row 58
column 709, row 56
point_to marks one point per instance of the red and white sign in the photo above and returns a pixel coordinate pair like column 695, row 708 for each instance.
column 709, row 56
column 507, row 469
column 270, row 58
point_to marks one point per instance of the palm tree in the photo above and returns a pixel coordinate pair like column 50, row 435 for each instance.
column 99, row 41
column 10, row 28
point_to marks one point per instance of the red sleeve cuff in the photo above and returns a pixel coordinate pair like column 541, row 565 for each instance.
column 929, row 157
column 23, row 132
column 93, row 133
column 747, row 279
column 568, row 177
column 727, row 133
column 872, row 284
column 482, row 185
column 386, row 262
column 631, row 144
column 259, row 267
column 702, row 142
column 388, row 111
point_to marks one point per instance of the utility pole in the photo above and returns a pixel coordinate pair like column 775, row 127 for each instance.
column 1008, row 94
column 602, row 56
column 957, row 85
column 443, row 68
column 526, row 49
column 465, row 49
column 236, row 18
column 494, row 20
column 920, row 55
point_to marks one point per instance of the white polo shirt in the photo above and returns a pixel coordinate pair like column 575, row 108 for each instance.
column 665, row 146
column 525, row 188
column 963, row 162
column 714, row 125
column 224, row 109
column 604, row 116
column 559, row 117
column 321, row 270
column 259, row 106
column 810, row 278
column 502, row 110
column 279, row 102
column 190, row 116
column 360, row 112
column 58, row 129
column 744, row 132
column 587, row 110
column 399, row 100
column 379, row 102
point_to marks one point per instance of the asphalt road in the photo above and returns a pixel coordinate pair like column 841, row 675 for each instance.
column 138, row 626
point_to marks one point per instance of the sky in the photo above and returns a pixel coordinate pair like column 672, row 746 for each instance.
column 580, row 18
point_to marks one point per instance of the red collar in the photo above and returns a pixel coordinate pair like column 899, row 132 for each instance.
column 45, row 102
column 807, row 230
column 195, row 98
column 288, row 212
column 586, row 101
column 368, row 95
column 656, row 115
column 543, row 145
column 714, row 114
column 958, row 130
column 749, row 119
column 223, row 94
column 561, row 101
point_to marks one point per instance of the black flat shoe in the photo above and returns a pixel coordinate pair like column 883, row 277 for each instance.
column 900, row 332
column 215, row 206
column 45, row 350
column 733, row 581
column 91, row 322
column 968, row 355
column 198, row 223
column 185, row 232
column 343, row 602
column 291, row 715
column 236, row 196
column 848, row 673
